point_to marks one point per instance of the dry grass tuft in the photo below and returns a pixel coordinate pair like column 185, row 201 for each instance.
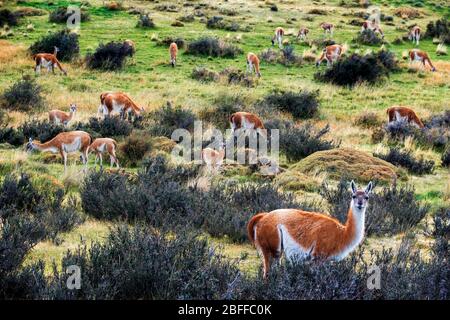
column 407, row 13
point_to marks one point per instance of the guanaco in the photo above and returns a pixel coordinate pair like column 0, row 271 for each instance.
column 278, row 37
column 57, row 116
column 422, row 56
column 299, row 234
column 253, row 63
column 327, row 28
column 47, row 60
column 118, row 102
column 102, row 145
column 302, row 33
column 399, row 113
column 173, row 51
column 375, row 27
column 414, row 34
column 331, row 54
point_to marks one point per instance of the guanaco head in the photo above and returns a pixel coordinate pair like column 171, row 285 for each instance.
column 73, row 107
column 360, row 198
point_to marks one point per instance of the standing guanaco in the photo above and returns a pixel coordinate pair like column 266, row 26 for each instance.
column 47, row 60
column 278, row 37
column 101, row 145
column 399, row 113
column 422, row 56
column 414, row 34
column 58, row 116
column 327, row 28
column 253, row 63
column 173, row 51
column 302, row 33
column 331, row 54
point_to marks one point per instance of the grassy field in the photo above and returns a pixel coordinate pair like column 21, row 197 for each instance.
column 151, row 81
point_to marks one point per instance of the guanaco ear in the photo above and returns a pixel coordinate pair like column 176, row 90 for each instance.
column 30, row 140
column 369, row 188
column 353, row 186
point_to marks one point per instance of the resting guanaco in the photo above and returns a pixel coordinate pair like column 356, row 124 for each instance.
column 64, row 143
column 47, row 60
column 101, row 145
column 299, row 234
column 58, row 116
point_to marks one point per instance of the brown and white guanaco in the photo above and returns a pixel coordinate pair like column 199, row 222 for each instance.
column 300, row 234
column 47, row 60
column 331, row 54
column 253, row 64
column 327, row 28
column 173, row 51
column 58, row 116
column 414, row 34
column 118, row 102
column 278, row 37
column 302, row 33
column 421, row 56
column 401, row 113
column 102, row 145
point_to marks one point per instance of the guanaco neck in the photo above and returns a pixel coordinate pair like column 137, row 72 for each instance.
column 46, row 146
column 354, row 227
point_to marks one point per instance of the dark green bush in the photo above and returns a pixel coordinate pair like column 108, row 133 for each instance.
column 446, row 156
column 217, row 22
column 41, row 130
column 391, row 210
column 110, row 126
column 223, row 107
column 66, row 41
column 354, row 69
column 208, row 46
column 141, row 263
column 111, row 56
column 134, row 148
column 60, row 15
column 368, row 119
column 439, row 29
column 203, row 74
column 8, row 18
column 167, row 119
column 145, row 21
column 406, row 159
column 368, row 37
column 302, row 105
column 181, row 43
column 299, row 141
column 24, row 95
column 12, row 136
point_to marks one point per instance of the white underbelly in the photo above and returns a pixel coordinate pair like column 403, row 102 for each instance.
column 292, row 249
column 72, row 147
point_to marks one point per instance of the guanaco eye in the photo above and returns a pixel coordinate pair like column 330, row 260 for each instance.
column 354, row 197
column 366, row 197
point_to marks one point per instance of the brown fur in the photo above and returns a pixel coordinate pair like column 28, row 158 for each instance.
column 213, row 158
column 173, row 51
column 110, row 148
column 237, row 120
column 107, row 99
column 302, row 33
column 49, row 57
column 404, row 112
column 253, row 60
column 329, row 53
column 422, row 57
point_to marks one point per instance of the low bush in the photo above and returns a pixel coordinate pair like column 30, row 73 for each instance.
column 203, row 74
column 368, row 37
column 407, row 13
column 181, row 43
column 289, row 57
column 391, row 210
column 238, row 77
column 134, row 148
column 399, row 130
column 299, row 141
column 354, row 69
column 24, row 95
column 439, row 29
column 446, row 157
column 208, row 46
column 111, row 56
column 12, row 136
column 8, row 18
column 187, row 18
column 318, row 11
column 164, row 121
column 388, row 60
column 110, row 126
column 406, row 160
column 145, row 22
column 141, row 263
column 41, row 130
column 62, row 15
column 303, row 104
column 66, row 41
column 368, row 119
column 269, row 55
column 223, row 107
column 217, row 22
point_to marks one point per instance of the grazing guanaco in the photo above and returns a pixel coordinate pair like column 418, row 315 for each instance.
column 64, row 143
column 118, row 102
column 422, row 56
column 213, row 158
column 58, row 116
column 375, row 27
column 47, row 60
column 299, row 234
column 173, row 51
column 414, row 34
column 302, row 33
column 330, row 54
column 327, row 28
column 278, row 37
column 101, row 145
column 401, row 113
column 247, row 120
column 253, row 63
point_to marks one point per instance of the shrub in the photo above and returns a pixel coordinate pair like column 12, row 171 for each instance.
column 318, row 11
column 61, row 15
column 217, row 22
column 145, row 22
column 302, row 105
column 203, row 74
column 187, row 18
column 110, row 56
column 368, row 119
column 168, row 40
column 107, row 127
column 12, row 136
column 270, row 55
column 66, row 41
column 407, row 160
column 299, row 141
column 446, row 156
column 439, row 29
column 227, row 207
column 387, row 59
column 168, row 118
column 273, row 7
column 141, row 263
column 224, row 106
column 41, row 130
column 352, row 70
column 8, row 18
column 398, row 130
column 407, row 13
column 391, row 210
column 134, row 148
column 238, row 77
column 368, row 37
column 208, row 46
column 24, row 95
column 289, row 57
